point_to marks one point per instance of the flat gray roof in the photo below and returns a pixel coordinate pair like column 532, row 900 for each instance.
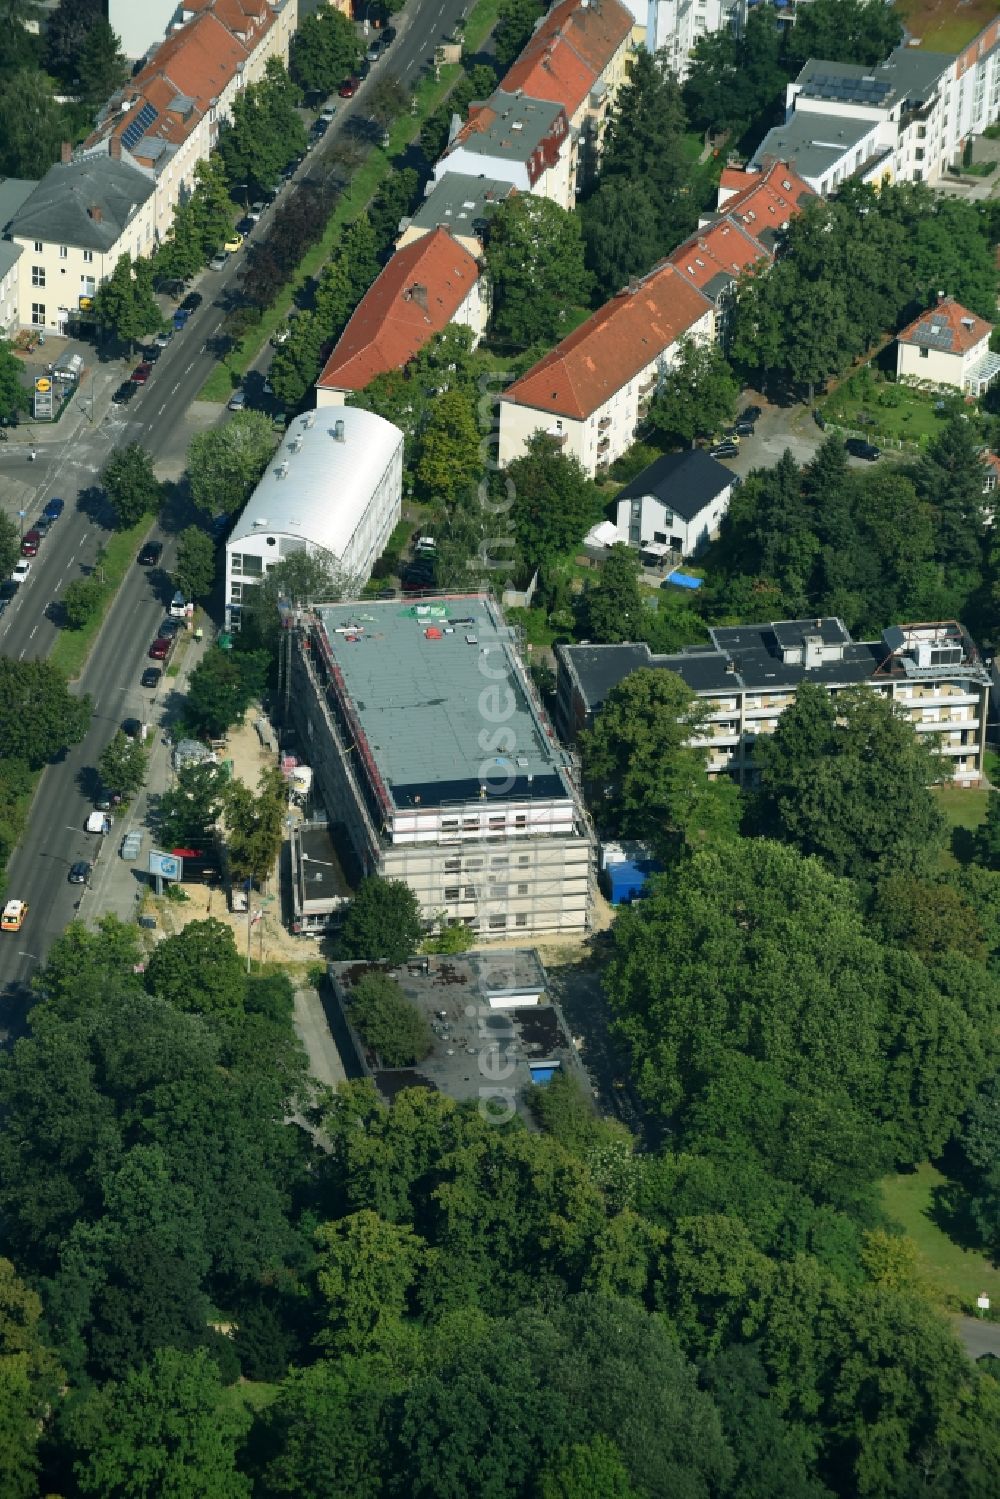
column 431, row 685
column 519, row 129
column 812, row 143
column 461, row 203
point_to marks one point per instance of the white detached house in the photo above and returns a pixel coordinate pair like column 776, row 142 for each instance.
column 949, row 345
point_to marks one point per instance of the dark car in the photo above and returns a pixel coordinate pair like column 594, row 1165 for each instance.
column 106, row 799
column 43, row 525
column 160, row 649
column 55, row 508
column 858, row 448
column 150, row 554
column 131, row 728
column 744, row 428
column 820, row 420
column 388, row 36
column 727, row 449
column 141, row 373
column 79, row 873
column 151, row 677
column 750, row 414
column 181, row 316
column 245, row 226
column 349, row 88
column 152, row 354
column 124, row 393
column 191, row 302
column 32, row 541
column 169, row 629
column 364, row 68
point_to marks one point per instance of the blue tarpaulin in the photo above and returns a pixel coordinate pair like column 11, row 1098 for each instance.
column 682, row 580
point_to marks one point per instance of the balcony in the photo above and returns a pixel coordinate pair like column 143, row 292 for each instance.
column 604, row 424
column 559, row 438
column 604, row 445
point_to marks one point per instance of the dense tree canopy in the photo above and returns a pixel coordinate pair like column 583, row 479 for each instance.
column 534, row 259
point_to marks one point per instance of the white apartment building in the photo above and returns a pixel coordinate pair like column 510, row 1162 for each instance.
column 434, row 762
column 71, row 231
column 140, row 27
column 750, row 674
column 514, row 139
column 333, row 488
column 675, row 27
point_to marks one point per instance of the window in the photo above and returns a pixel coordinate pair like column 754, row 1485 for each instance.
column 452, row 866
column 38, row 247
column 452, row 892
column 88, row 257
column 88, row 285
column 497, row 825
column 522, row 889
column 470, row 892
column 38, row 275
column 236, row 593
column 524, row 859
column 521, row 918
column 473, row 863
column 253, row 567
column 499, row 861
column 449, row 824
column 660, row 536
column 63, row 252
column 497, row 923
column 38, row 314
column 498, row 892
column 925, row 353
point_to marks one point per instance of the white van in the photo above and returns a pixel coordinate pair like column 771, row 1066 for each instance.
column 98, row 822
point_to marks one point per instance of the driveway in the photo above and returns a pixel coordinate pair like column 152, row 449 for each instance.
column 978, row 1337
column 779, row 427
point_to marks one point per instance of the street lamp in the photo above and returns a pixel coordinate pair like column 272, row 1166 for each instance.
column 21, row 515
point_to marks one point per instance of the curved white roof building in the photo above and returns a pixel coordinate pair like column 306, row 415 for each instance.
column 334, row 485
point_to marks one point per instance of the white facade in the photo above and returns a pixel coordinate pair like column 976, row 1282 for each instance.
column 648, row 518
column 676, row 26
column 141, row 26
column 334, row 487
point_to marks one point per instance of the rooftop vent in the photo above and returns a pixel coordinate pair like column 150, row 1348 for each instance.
column 310, row 420
column 338, row 431
column 968, row 322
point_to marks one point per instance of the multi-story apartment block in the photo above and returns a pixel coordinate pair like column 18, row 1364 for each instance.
column 578, row 57
column 461, row 204
column 140, row 27
column 13, row 193
column 430, row 283
column 433, row 760
column 514, row 139
column 750, row 674
column 167, row 117
column 675, row 27
column 72, row 229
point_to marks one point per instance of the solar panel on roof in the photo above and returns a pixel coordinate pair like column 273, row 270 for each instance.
column 133, row 133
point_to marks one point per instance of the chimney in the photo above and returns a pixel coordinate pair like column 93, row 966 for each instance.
column 418, row 294
column 940, row 296
column 95, row 213
column 66, row 153
column 115, row 148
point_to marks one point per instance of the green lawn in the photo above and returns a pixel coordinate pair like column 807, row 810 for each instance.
column 963, row 811
column 73, row 646
column 958, row 1274
column 945, row 25
column 248, row 1394
column 883, row 410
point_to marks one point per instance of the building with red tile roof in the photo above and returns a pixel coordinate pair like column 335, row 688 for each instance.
column 577, row 57
column 426, row 285
column 590, row 391
column 948, row 345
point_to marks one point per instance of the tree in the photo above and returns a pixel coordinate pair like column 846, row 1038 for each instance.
column 81, row 600
column 296, row 362
column 328, row 1431
column 646, row 780
column 29, row 1379
column 367, row 1269
column 326, row 50
column 449, row 448
column 950, row 478
column 535, row 263
column 182, row 252
column 32, row 124
column 221, row 689
column 986, row 839
column 225, row 465
column 621, row 233
column 14, row 397
column 125, row 304
column 299, row 579
column 10, row 545
column 199, row 969
column 194, row 570
column 696, row 396
column 265, row 131
column 517, row 20
column 554, row 501
column 396, row 1031
column 613, row 605
column 383, row 922
column 103, row 69
column 211, row 205
column 131, row 485
column 643, row 144
column 387, row 99
column 187, row 814
column 39, row 716
column 66, row 30
column 122, row 764
column 736, row 84
column 861, row 31
column 163, row 1432
column 255, row 825
column 849, row 780
column 585, row 1469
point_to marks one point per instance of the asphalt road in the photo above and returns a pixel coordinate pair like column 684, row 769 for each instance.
column 156, row 418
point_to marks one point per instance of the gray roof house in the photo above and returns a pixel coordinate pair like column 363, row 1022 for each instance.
column 87, row 203
column 675, row 504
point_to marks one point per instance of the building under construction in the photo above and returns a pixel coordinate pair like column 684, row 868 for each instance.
column 434, row 762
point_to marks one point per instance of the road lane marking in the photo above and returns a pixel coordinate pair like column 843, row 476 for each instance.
column 32, row 635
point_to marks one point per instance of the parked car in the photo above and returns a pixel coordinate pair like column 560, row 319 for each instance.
column 328, row 113
column 178, row 606
column 744, row 428
column 169, row 628
column 160, row 649
column 281, row 336
column 750, row 414
column 218, row 262
column 819, row 419
column 233, row 243
column 279, row 421
column 131, row 728
column 162, row 339
column 727, row 449
column 141, row 373
column 13, row 916
column 32, row 541
column 43, row 525
column 238, row 400
column 858, row 448
column 124, row 393
column 131, row 844
column 191, row 302
column 21, row 571
column 79, row 873
column 152, row 354
column 181, row 316
column 388, row 36
column 106, row 799
column 55, row 508
column 245, row 226
column 374, row 51
column 349, row 88
column 150, row 554
column 150, row 677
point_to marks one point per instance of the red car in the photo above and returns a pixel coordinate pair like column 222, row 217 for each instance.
column 141, row 373
column 160, row 649
column 32, row 541
column 349, row 87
